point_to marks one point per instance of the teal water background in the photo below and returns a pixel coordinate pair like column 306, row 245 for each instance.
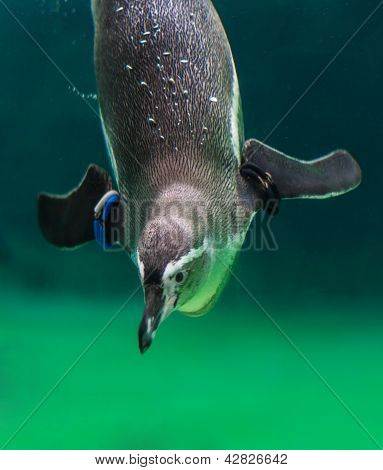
column 231, row 379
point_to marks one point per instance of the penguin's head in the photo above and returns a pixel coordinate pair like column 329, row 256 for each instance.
column 173, row 265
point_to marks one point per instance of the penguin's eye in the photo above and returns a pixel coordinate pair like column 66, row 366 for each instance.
column 180, row 277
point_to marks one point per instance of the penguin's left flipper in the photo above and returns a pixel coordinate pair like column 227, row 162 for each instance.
column 67, row 221
column 276, row 176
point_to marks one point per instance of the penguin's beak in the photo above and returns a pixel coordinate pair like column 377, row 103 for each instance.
column 152, row 316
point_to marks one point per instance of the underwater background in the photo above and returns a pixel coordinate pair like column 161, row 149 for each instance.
column 242, row 377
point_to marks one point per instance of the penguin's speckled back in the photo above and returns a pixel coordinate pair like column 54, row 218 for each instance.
column 168, row 94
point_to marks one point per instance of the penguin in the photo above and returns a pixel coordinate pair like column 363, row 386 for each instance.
column 185, row 184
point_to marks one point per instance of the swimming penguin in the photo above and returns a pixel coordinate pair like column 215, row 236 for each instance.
column 187, row 185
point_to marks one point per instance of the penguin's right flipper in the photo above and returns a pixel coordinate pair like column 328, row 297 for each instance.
column 276, row 176
column 67, row 221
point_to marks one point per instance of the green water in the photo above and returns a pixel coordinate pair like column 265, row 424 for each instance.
column 231, row 379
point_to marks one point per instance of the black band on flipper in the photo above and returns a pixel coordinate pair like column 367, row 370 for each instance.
column 263, row 184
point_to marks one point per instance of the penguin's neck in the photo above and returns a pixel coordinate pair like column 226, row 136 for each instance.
column 186, row 204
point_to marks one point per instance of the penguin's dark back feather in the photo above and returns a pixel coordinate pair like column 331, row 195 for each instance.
column 166, row 79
